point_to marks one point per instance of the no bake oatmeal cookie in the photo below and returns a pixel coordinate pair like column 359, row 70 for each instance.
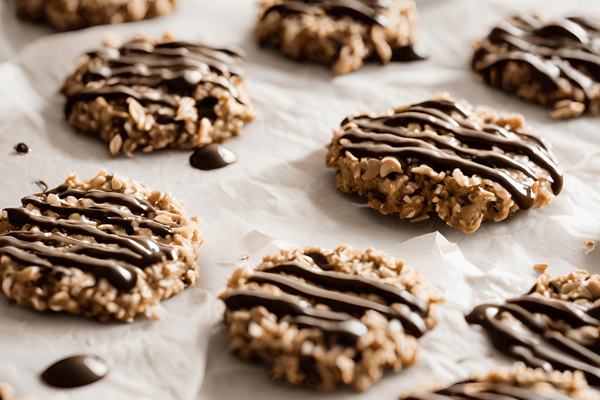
column 341, row 33
column 76, row 14
column 147, row 94
column 324, row 317
column 517, row 382
column 103, row 247
column 442, row 157
column 555, row 63
column 556, row 325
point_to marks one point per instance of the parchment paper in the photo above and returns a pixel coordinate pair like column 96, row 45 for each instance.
column 280, row 194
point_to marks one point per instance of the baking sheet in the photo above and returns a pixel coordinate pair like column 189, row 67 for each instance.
column 279, row 194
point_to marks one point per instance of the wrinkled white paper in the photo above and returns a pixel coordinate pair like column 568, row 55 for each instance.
column 280, row 194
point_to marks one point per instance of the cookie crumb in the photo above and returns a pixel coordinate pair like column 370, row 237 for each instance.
column 540, row 267
column 590, row 246
column 90, row 342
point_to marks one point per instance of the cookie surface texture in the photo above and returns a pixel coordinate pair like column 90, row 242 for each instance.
column 68, row 15
column 556, row 325
column 340, row 33
column 321, row 318
column 555, row 63
column 149, row 95
column 106, row 247
column 518, row 382
column 441, row 157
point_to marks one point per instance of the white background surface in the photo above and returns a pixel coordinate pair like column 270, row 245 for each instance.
column 280, row 193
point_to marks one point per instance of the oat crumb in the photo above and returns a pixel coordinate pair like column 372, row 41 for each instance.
column 540, row 267
column 590, row 246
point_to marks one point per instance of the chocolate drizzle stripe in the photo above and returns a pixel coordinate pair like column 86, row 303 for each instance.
column 563, row 48
column 473, row 390
column 112, row 256
column 352, row 329
column 352, row 283
column 536, row 341
column 135, row 204
column 289, row 308
column 434, row 143
column 367, row 11
column 80, row 247
column 498, row 391
column 104, row 215
column 389, row 136
column 558, row 308
column 152, row 251
column 411, row 321
column 523, row 195
column 118, row 91
column 121, row 275
column 174, row 69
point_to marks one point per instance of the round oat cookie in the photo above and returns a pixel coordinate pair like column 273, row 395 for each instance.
column 555, row 63
column 342, row 33
column 516, row 383
column 555, row 326
column 324, row 317
column 441, row 156
column 68, row 15
column 147, row 94
column 104, row 247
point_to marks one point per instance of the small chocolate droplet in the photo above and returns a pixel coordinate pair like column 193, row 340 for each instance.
column 212, row 156
column 22, row 148
column 75, row 371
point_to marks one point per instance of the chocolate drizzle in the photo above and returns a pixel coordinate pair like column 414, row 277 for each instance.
column 367, row 11
column 172, row 69
column 473, row 390
column 112, row 255
column 564, row 48
column 42, row 185
column 75, row 371
column 389, row 136
column 329, row 288
column 543, row 342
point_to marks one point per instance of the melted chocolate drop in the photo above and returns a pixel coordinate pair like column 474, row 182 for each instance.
column 212, row 156
column 75, row 371
column 412, row 52
column 22, row 148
